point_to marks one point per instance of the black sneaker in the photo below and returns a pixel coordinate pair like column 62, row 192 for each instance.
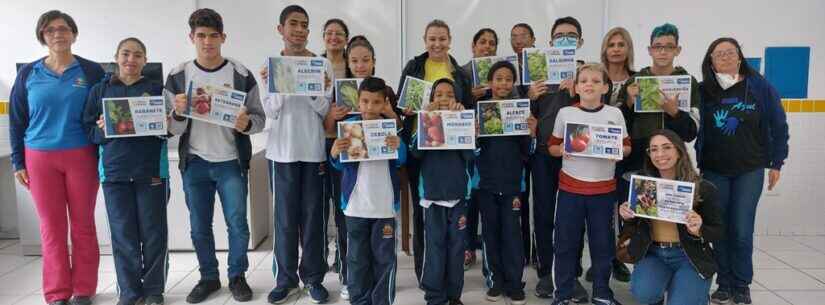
column 544, row 288
column 59, row 302
column 317, row 293
column 722, row 295
column 202, row 291
column 742, row 295
column 240, row 289
column 620, row 272
column 153, row 300
column 81, row 300
column 279, row 295
column 455, row 302
column 517, row 297
column 493, row 294
column 579, row 293
column 662, row 302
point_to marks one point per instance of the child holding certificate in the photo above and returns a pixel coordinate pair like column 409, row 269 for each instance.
column 670, row 257
column 134, row 173
column 444, row 186
column 586, row 190
column 501, row 172
column 370, row 200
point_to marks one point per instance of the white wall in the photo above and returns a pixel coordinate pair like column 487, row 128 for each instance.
column 756, row 24
column 467, row 17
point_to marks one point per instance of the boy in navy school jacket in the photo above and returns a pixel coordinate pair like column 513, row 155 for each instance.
column 370, row 199
column 444, row 186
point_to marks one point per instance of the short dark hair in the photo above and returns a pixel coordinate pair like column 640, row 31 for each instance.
column 338, row 22
column 526, row 26
column 566, row 20
column 501, row 65
column 666, row 29
column 444, row 81
column 374, row 85
column 47, row 18
column 480, row 32
column 207, row 18
column 292, row 9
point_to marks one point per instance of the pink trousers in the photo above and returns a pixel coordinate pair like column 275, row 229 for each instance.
column 64, row 186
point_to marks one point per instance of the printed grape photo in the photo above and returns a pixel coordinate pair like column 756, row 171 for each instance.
column 489, row 119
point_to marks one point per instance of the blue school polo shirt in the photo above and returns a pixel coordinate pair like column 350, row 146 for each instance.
column 56, row 104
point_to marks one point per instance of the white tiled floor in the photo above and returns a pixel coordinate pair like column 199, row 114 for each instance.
column 788, row 270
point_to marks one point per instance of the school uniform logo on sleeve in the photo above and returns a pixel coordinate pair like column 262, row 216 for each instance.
column 388, row 231
column 516, row 204
column 462, row 222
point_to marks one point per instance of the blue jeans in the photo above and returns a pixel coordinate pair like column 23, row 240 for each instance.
column 738, row 198
column 668, row 269
column 573, row 212
column 200, row 181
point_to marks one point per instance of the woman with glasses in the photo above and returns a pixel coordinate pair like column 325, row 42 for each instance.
column 671, row 257
column 744, row 132
column 54, row 159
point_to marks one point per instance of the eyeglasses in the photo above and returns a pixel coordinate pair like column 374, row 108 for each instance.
column 656, row 149
column 56, row 30
column 660, row 48
column 335, row 33
column 730, row 53
column 566, row 35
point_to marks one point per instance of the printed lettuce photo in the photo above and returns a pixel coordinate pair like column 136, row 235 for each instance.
column 482, row 68
column 281, row 76
column 649, row 95
column 415, row 92
column 490, row 119
column 119, row 118
column 537, row 65
column 347, row 94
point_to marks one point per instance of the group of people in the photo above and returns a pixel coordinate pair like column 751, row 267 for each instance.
column 60, row 152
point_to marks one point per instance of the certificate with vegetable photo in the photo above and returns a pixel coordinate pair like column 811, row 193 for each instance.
column 134, row 116
column 503, row 118
column 652, row 88
column 367, row 140
column 415, row 94
column 552, row 65
column 661, row 199
column 214, row 104
column 445, row 130
column 346, row 93
column 481, row 67
column 593, row 140
column 293, row 75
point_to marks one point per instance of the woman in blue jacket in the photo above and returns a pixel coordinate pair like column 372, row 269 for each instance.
column 134, row 172
column 53, row 159
column 744, row 131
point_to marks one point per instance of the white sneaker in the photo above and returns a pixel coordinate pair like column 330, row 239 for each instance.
column 345, row 293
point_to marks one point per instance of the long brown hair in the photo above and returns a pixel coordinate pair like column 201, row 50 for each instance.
column 684, row 167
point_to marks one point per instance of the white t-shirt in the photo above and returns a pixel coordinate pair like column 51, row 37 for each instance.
column 372, row 196
column 585, row 168
column 212, row 142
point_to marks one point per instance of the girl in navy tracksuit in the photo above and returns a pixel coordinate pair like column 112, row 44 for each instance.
column 443, row 186
column 501, row 171
column 134, row 174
